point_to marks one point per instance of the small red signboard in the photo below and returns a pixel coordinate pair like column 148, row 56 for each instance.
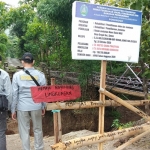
column 53, row 93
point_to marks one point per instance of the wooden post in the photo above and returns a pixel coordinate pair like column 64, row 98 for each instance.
column 57, row 121
column 102, row 99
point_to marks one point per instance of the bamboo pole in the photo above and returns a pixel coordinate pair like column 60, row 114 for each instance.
column 102, row 99
column 124, row 103
column 124, row 91
column 138, row 137
column 99, row 138
column 55, row 117
column 57, row 121
column 92, row 104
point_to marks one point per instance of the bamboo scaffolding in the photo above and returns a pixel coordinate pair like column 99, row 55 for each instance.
column 138, row 137
column 99, row 138
column 124, row 103
column 92, row 104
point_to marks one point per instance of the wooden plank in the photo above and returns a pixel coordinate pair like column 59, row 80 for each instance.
column 102, row 99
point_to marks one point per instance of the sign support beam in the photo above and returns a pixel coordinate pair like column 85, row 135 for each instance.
column 102, row 99
column 57, row 121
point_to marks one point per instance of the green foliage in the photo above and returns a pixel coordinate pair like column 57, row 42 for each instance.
column 12, row 47
column 116, row 122
column 3, row 43
column 60, row 12
column 2, row 47
column 21, row 16
column 117, row 125
column 127, row 125
column 34, row 39
column 32, row 3
column 3, row 11
column 115, row 114
column 3, row 38
column 18, row 19
column 116, row 68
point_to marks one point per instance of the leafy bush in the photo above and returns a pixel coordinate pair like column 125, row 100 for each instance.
column 117, row 125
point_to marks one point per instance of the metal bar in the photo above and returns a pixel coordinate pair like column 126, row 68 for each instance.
column 134, row 73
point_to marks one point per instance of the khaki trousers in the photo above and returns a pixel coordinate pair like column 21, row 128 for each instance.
column 24, row 128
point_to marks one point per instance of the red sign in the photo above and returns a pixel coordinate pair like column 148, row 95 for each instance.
column 54, row 93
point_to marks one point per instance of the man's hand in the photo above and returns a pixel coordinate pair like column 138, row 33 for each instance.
column 43, row 112
column 14, row 116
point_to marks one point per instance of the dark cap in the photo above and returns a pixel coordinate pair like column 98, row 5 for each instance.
column 0, row 58
column 27, row 56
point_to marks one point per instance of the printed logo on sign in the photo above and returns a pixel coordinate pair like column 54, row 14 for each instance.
column 84, row 10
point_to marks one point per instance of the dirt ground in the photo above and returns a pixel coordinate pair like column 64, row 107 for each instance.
column 14, row 143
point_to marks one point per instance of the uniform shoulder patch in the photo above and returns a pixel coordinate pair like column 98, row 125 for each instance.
column 27, row 77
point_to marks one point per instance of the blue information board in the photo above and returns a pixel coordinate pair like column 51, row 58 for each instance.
column 106, row 13
column 105, row 33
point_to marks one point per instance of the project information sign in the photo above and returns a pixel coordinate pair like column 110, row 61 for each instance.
column 105, row 33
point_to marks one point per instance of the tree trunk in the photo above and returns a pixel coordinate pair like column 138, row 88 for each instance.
column 145, row 87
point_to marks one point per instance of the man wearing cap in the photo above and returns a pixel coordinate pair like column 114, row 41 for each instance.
column 24, row 104
column 5, row 89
